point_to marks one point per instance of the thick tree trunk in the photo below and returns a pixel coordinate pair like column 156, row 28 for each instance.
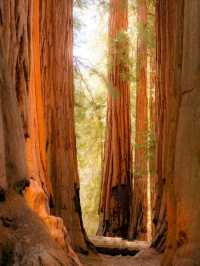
column 58, row 94
column 138, row 226
column 117, row 164
column 180, row 35
column 39, row 193
column 187, row 165
column 24, row 237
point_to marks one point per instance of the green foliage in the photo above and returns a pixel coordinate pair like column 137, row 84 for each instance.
column 90, row 110
column 92, row 85
column 90, row 123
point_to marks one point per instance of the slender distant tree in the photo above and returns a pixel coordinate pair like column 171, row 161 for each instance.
column 152, row 132
column 117, row 164
column 152, row 101
column 138, row 225
column 58, row 95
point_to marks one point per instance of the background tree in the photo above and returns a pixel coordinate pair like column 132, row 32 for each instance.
column 138, row 224
column 151, row 73
column 117, row 164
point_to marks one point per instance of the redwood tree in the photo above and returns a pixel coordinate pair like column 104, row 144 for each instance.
column 159, row 218
column 178, row 58
column 58, row 95
column 24, row 237
column 138, row 226
column 116, row 176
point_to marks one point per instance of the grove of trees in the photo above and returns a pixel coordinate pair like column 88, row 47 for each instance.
column 149, row 153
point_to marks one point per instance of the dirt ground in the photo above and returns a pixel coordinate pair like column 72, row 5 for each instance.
column 147, row 257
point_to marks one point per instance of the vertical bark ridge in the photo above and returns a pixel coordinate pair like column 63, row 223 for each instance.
column 25, row 237
column 58, row 94
column 160, row 206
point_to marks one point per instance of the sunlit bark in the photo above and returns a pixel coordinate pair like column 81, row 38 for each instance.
column 117, row 164
column 35, row 135
column 23, row 235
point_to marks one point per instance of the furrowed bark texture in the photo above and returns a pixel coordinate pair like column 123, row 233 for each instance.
column 179, row 22
column 138, row 226
column 58, row 95
column 35, row 135
column 39, row 194
column 14, row 45
column 159, row 218
column 117, row 164
column 24, row 237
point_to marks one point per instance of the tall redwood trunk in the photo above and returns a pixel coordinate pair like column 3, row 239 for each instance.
column 58, row 94
column 179, row 58
column 24, row 237
column 138, row 226
column 116, row 176
column 39, row 194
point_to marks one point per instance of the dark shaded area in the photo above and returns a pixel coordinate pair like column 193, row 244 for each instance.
column 118, row 223
column 116, row 251
column 2, row 194
column 77, row 203
column 21, row 185
column 7, row 255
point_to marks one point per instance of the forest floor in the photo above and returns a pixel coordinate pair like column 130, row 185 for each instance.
column 145, row 255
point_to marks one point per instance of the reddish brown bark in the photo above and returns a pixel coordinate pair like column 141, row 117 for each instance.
column 159, row 209
column 116, row 176
column 12, row 58
column 35, row 136
column 178, row 58
column 138, row 226
column 58, row 94
column 39, row 194
column 24, row 237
